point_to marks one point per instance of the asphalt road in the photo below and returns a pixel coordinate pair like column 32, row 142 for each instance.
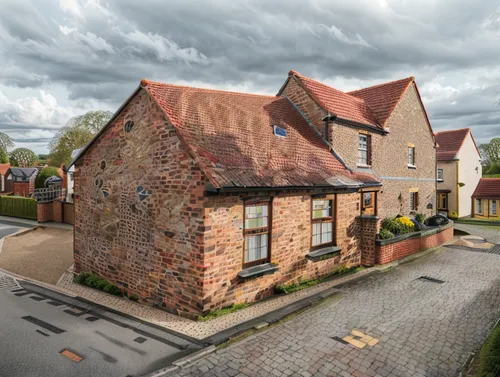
column 7, row 228
column 37, row 326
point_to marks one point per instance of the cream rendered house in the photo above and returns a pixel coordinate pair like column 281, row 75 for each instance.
column 458, row 172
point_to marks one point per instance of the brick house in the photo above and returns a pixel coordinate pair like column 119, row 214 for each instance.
column 6, row 184
column 23, row 180
column 381, row 130
column 197, row 199
column 486, row 199
column 459, row 171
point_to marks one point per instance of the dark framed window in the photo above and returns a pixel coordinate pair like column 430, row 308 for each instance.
column 479, row 206
column 413, row 201
column 322, row 223
column 440, row 175
column 364, row 145
column 256, row 232
column 494, row 207
column 368, row 204
column 411, row 156
column 443, row 201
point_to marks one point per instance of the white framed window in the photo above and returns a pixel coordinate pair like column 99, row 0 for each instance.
column 322, row 222
column 363, row 149
column 411, row 156
column 494, row 207
column 440, row 175
column 256, row 234
column 479, row 206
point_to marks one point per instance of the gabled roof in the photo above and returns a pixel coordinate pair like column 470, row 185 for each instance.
column 231, row 136
column 337, row 102
column 450, row 142
column 23, row 172
column 383, row 98
column 487, row 188
column 4, row 168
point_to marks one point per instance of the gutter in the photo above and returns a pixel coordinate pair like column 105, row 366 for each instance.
column 215, row 190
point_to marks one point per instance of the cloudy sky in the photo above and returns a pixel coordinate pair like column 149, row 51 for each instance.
column 61, row 58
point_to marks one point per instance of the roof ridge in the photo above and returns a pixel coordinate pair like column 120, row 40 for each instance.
column 146, row 82
column 412, row 78
column 460, row 129
column 295, row 73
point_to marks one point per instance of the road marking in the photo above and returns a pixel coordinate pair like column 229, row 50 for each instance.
column 360, row 340
column 72, row 356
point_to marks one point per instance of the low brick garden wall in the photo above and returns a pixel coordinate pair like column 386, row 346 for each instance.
column 387, row 251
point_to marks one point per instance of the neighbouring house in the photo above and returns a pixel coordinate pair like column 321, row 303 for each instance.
column 69, row 177
column 23, row 180
column 5, row 184
column 196, row 199
column 458, row 171
column 486, row 199
column 382, row 130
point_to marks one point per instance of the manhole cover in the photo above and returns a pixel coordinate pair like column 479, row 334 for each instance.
column 431, row 280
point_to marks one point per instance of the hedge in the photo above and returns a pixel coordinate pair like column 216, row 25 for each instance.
column 18, row 206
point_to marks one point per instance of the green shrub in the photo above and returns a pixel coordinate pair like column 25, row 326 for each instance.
column 489, row 357
column 392, row 225
column 386, row 234
column 18, row 206
column 47, row 172
column 420, row 217
column 134, row 297
column 94, row 281
column 223, row 311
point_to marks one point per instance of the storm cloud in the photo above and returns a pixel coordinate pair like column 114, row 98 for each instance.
column 62, row 58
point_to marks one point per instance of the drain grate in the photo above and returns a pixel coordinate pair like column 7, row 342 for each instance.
column 431, row 280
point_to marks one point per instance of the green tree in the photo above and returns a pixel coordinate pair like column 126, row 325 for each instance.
column 23, row 158
column 46, row 172
column 5, row 142
column 76, row 134
column 4, row 158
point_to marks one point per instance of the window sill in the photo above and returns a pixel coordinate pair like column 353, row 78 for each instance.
column 410, row 166
column 440, row 180
column 363, row 166
column 324, row 253
column 257, row 271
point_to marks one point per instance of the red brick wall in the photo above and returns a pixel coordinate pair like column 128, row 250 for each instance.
column 389, row 153
column 139, row 201
column 44, row 212
column 57, row 211
column 291, row 242
column 398, row 250
column 369, row 228
column 21, row 189
column 68, row 213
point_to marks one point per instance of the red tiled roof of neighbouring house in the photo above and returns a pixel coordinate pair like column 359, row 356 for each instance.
column 383, row 99
column 4, row 168
column 487, row 188
column 337, row 102
column 231, row 136
column 450, row 142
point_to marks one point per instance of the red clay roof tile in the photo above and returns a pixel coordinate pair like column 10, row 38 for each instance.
column 337, row 102
column 383, row 98
column 232, row 138
column 487, row 188
column 4, row 168
column 449, row 143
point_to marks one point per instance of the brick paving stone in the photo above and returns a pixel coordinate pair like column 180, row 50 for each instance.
column 425, row 329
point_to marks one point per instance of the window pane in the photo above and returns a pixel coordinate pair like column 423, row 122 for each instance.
column 256, row 216
column 255, row 247
column 368, row 199
column 412, row 201
column 326, row 232
column 411, row 156
column 322, row 208
column 494, row 207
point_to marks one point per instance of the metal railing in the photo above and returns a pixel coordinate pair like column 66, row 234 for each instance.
column 49, row 194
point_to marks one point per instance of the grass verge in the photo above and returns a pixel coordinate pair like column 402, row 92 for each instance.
column 94, row 281
column 487, row 362
column 223, row 311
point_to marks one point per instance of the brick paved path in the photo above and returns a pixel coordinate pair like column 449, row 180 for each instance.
column 489, row 232
column 425, row 328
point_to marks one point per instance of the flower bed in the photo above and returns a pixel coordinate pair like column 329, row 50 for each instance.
column 389, row 250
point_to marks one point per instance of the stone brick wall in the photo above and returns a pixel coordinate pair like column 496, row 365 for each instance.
column 290, row 243
column 389, row 153
column 369, row 228
column 139, row 200
column 389, row 253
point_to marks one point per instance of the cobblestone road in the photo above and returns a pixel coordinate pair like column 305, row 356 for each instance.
column 425, row 328
column 489, row 232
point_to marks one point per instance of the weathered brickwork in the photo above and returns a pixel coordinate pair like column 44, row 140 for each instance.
column 291, row 242
column 139, row 210
column 389, row 153
column 389, row 253
column 369, row 228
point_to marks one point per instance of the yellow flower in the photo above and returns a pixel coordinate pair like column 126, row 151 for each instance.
column 406, row 221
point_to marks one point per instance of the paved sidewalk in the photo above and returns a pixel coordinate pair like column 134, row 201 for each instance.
column 424, row 328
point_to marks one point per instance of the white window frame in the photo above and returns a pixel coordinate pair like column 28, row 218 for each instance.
column 411, row 157
column 440, row 173
column 364, row 148
column 259, row 234
column 326, row 223
column 494, row 207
